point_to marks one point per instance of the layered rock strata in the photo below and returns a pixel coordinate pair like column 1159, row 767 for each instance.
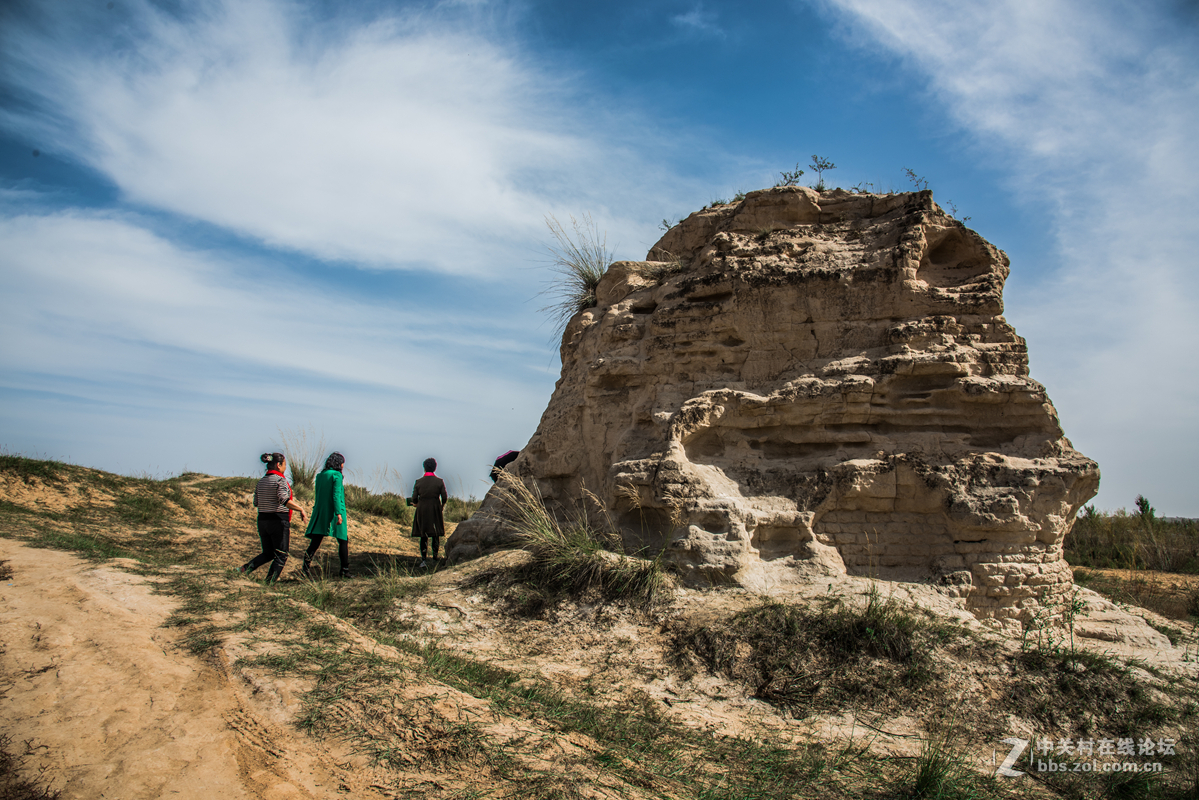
column 805, row 383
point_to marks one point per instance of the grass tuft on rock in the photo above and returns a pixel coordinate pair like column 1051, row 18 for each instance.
column 579, row 257
column 574, row 558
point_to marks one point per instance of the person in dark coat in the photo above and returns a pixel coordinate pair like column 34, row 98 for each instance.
column 429, row 496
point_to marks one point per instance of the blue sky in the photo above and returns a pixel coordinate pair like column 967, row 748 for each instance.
column 256, row 216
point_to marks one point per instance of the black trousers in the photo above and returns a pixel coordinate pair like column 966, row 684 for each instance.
column 343, row 550
column 274, row 530
column 424, row 546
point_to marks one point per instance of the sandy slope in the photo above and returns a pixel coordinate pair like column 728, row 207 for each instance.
column 109, row 702
column 114, row 706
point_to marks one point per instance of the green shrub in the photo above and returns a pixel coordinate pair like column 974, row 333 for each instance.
column 141, row 509
column 386, row 504
column 458, row 510
column 789, row 177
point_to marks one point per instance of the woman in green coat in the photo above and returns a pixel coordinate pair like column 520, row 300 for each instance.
column 329, row 514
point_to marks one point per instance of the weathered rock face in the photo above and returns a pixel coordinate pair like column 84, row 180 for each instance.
column 825, row 384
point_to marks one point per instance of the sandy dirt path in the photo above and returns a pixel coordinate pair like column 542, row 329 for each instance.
column 114, row 708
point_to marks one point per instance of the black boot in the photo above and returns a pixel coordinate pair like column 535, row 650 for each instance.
column 276, row 570
column 306, row 570
column 345, row 572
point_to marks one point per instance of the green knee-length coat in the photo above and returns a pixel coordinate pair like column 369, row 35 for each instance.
column 330, row 501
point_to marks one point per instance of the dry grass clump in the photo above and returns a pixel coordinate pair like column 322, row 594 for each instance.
column 13, row 783
column 575, row 557
column 580, row 257
column 807, row 659
column 305, row 456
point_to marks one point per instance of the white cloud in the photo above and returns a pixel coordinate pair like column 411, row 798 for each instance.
column 87, row 293
column 114, row 341
column 699, row 21
column 407, row 142
column 1091, row 108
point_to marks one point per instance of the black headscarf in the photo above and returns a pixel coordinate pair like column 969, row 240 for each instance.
column 335, row 461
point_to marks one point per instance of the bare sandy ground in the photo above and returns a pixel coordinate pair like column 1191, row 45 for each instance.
column 113, row 705
column 97, row 691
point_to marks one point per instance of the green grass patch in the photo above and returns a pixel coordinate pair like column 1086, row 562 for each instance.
column 27, row 468
column 142, row 509
column 387, row 504
column 459, row 510
column 88, row 545
column 227, row 485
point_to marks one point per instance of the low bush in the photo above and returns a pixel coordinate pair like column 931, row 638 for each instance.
column 386, row 504
column 459, row 510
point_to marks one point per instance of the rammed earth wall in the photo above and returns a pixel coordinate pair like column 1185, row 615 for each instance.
column 805, row 383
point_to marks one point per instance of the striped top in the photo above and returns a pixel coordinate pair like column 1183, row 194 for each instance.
column 272, row 493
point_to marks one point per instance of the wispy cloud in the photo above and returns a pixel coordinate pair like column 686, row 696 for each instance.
column 699, row 21
column 114, row 340
column 412, row 141
column 1087, row 106
column 83, row 288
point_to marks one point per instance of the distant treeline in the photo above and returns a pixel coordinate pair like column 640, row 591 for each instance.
column 1134, row 540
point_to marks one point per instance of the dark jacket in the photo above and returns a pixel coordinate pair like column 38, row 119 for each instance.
column 429, row 495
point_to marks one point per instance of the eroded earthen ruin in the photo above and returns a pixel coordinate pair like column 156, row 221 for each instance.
column 805, row 383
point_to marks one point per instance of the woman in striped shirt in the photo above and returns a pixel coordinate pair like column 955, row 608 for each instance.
column 275, row 502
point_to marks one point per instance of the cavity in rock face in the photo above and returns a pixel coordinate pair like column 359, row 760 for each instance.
column 806, row 383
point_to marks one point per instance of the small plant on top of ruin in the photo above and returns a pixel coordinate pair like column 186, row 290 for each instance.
column 789, row 177
column 820, row 166
column 920, row 183
column 953, row 211
column 580, row 257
